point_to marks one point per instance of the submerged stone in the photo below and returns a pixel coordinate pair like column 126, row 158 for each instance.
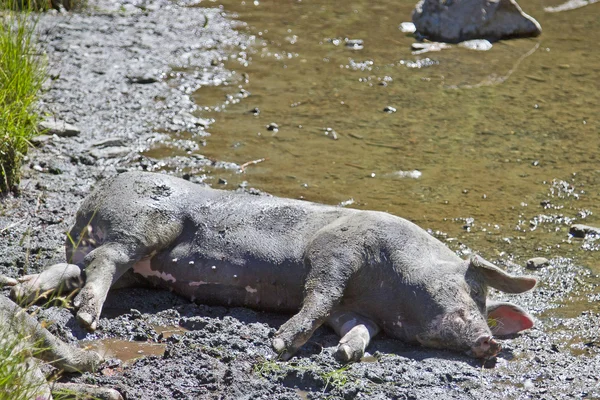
column 476, row 44
column 537, row 262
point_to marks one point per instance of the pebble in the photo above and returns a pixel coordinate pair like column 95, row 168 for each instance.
column 142, row 79
column 110, row 152
column 355, row 44
column 389, row 109
column 40, row 140
column 273, row 127
column 476, row 44
column 109, row 142
column 537, row 263
column 407, row 27
column 414, row 174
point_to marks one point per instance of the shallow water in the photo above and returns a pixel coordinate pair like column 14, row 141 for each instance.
column 505, row 141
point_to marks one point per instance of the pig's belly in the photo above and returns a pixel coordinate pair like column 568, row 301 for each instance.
column 255, row 284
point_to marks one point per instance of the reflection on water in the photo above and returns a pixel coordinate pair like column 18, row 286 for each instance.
column 496, row 136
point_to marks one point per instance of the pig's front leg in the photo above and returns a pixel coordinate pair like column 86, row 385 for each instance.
column 103, row 266
column 330, row 270
column 356, row 333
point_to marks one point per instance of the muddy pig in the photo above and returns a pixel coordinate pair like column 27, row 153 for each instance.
column 358, row 271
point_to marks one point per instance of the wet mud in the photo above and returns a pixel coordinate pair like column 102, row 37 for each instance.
column 130, row 76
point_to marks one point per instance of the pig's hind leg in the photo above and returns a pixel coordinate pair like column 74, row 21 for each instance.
column 356, row 333
column 55, row 280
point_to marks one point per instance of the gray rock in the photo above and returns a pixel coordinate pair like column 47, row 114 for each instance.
column 40, row 140
column 110, row 152
column 580, row 230
column 459, row 20
column 58, row 128
column 109, row 142
column 537, row 263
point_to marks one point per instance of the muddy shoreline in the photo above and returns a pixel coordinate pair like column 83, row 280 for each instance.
column 123, row 74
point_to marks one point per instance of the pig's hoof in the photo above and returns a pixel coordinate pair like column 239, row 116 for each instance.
column 344, row 353
column 86, row 320
column 283, row 352
column 5, row 280
column 278, row 345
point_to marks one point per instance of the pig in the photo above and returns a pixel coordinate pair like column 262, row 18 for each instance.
column 361, row 272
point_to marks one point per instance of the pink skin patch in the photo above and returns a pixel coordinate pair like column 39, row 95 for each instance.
column 143, row 268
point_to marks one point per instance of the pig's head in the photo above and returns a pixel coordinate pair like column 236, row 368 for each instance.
column 462, row 320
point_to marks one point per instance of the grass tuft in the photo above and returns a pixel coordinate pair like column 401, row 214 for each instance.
column 22, row 72
column 18, row 378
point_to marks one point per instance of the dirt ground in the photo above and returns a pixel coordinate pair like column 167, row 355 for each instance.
column 123, row 74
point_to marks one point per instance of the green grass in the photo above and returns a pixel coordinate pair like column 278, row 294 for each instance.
column 22, row 72
column 15, row 361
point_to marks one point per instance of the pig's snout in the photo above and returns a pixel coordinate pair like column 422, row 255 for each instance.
column 485, row 347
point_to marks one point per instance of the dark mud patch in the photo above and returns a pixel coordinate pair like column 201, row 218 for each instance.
column 123, row 74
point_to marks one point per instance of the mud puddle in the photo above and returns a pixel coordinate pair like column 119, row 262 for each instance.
column 128, row 351
column 125, row 350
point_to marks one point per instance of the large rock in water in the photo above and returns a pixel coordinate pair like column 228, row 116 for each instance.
column 454, row 21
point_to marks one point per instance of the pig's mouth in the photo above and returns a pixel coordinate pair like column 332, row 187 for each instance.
column 485, row 347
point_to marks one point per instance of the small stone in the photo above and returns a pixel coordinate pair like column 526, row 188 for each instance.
column 476, row 44
column 329, row 132
column 273, row 127
column 537, row 263
column 222, row 181
column 109, row 142
column 580, row 230
column 528, row 385
column 142, row 79
column 407, row 27
column 58, row 128
column 110, row 152
column 40, row 140
column 414, row 174
column 355, row 44
column 255, row 111
column 389, row 109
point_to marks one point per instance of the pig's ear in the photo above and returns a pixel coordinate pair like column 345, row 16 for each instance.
column 498, row 279
column 507, row 318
